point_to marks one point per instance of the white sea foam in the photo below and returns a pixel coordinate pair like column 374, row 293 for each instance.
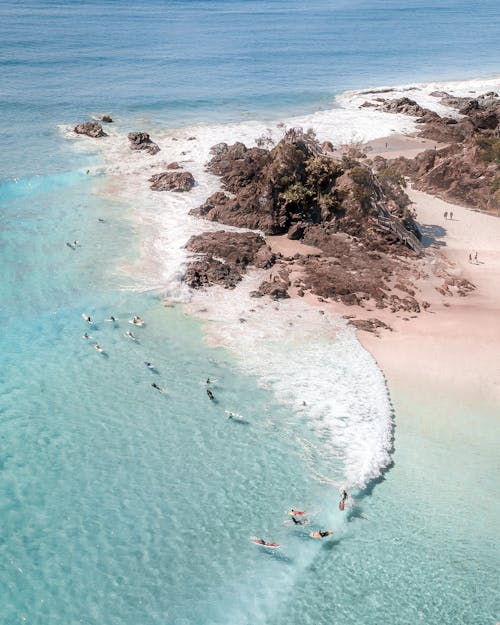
column 302, row 355
column 421, row 93
column 313, row 362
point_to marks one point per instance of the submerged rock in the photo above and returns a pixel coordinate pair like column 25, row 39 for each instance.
column 106, row 119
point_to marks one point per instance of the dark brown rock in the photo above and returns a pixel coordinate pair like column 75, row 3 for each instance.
column 225, row 257
column 142, row 141
column 91, row 129
column 106, row 119
column 209, row 271
column 296, row 232
column 277, row 288
column 174, row 165
column 369, row 325
column 172, row 181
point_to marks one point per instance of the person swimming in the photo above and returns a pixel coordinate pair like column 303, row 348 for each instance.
column 294, row 512
column 86, row 336
column 130, row 335
column 98, row 347
column 299, row 521
column 71, row 245
column 86, row 318
column 208, row 381
column 263, row 543
column 113, row 319
column 158, row 388
column 149, row 365
column 343, row 499
column 211, row 396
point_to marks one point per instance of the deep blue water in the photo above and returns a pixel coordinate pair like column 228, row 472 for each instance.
column 121, row 505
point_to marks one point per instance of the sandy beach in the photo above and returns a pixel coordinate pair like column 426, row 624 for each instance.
column 454, row 345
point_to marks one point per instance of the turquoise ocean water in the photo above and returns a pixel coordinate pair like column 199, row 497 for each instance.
column 120, row 505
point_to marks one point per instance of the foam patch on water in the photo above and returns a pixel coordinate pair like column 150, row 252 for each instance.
column 313, row 362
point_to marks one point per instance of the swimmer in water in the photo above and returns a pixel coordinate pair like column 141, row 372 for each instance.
column 86, row 336
column 130, row 335
column 99, row 348
column 100, row 220
column 113, row 319
column 299, row 521
column 211, row 396
column 294, row 512
column 264, row 543
column 158, row 388
column 343, row 499
column 71, row 245
column 149, row 365
column 208, row 381
column 87, row 318
column 321, row 534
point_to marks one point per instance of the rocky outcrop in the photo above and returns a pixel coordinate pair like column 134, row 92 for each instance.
column 91, row 129
column 404, row 106
column 276, row 287
column 474, row 115
column 468, row 170
column 172, row 181
column 293, row 186
column 467, row 173
column 142, row 141
column 174, row 165
column 225, row 257
column 106, row 119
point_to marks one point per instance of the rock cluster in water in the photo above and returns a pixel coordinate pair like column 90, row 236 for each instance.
column 91, row 129
column 172, row 181
column 142, row 141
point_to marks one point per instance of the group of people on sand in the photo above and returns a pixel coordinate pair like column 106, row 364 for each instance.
column 445, row 215
column 473, row 258
column 300, row 517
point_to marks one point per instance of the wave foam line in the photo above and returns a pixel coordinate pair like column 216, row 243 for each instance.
column 314, row 363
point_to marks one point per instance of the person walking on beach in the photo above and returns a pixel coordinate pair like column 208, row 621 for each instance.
column 470, row 257
column 451, row 215
column 475, row 258
column 445, row 214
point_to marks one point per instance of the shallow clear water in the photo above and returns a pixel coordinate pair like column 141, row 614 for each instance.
column 123, row 505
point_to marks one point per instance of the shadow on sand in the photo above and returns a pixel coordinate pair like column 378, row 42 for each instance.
column 431, row 234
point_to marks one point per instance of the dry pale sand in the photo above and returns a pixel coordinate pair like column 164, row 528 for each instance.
column 400, row 145
column 455, row 346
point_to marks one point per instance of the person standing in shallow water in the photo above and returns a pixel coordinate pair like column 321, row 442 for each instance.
column 445, row 214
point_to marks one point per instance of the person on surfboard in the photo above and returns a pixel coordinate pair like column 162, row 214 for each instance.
column 321, row 534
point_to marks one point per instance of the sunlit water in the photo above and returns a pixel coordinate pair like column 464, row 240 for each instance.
column 123, row 505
